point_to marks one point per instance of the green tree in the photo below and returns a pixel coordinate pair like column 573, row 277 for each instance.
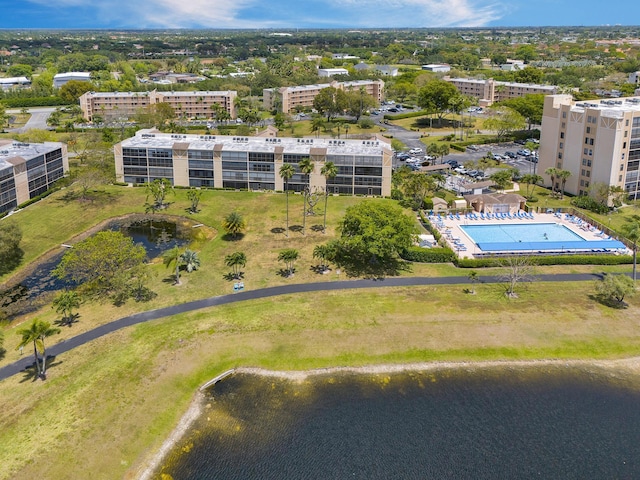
column 3, row 351
column 3, row 117
column 102, row 265
column 531, row 179
column 504, row 121
column 436, row 97
column 236, row 261
column 286, row 172
column 331, row 102
column 71, row 91
column 173, row 257
column 190, row 260
column 530, row 107
column 329, row 170
column 631, row 230
column 36, row 333
column 615, row 287
column 323, row 253
column 529, row 75
column 20, row 70
column 194, row 197
column 553, row 174
column 502, row 179
column 358, row 102
column 373, row 235
column 10, row 251
column 65, row 303
column 289, row 257
column 234, row 224
column 473, row 278
column 563, row 176
column 158, row 189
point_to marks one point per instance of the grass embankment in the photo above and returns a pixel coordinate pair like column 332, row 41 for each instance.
column 108, row 404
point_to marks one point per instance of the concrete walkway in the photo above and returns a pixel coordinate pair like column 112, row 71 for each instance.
column 67, row 345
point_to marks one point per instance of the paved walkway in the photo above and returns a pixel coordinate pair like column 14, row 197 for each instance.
column 66, row 345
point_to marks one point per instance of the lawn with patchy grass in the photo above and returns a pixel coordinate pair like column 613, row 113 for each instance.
column 108, row 405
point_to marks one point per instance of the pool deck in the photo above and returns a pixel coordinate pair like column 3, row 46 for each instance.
column 455, row 236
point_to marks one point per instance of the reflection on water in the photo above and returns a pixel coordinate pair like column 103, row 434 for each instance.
column 551, row 422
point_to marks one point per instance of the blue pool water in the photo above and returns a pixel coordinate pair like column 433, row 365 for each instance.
column 526, row 232
column 535, row 237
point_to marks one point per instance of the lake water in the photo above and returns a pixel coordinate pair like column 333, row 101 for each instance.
column 489, row 423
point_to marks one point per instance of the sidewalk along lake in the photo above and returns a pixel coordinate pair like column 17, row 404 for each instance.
column 510, row 422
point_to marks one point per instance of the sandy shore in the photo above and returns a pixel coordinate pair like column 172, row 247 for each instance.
column 628, row 366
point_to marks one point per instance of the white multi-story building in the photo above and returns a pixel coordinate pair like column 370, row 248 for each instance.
column 490, row 91
column 61, row 79
column 253, row 163
column 291, row 99
column 197, row 104
column 28, row 170
column 596, row 140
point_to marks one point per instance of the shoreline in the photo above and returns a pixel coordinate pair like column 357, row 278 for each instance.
column 153, row 462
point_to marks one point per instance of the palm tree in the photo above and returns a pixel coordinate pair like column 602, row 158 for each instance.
column 65, row 303
column 329, row 170
column 562, row 175
column 190, row 260
column 288, row 256
column 322, row 253
column 36, row 333
column 306, row 168
column 173, row 256
column 531, row 179
column 234, row 224
column 236, row 260
column 631, row 230
column 553, row 173
column 286, row 172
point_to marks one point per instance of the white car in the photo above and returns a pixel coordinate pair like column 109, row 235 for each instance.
column 460, row 170
column 415, row 151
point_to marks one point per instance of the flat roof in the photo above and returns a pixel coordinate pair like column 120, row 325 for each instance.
column 10, row 149
column 290, row 145
column 611, row 107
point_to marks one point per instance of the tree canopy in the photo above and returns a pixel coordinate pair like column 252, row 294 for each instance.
column 103, row 265
column 373, row 235
column 10, row 251
column 331, row 102
column 437, row 96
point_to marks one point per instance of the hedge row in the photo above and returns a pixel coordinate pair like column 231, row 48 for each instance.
column 33, row 102
column 429, row 255
column 399, row 116
column 550, row 260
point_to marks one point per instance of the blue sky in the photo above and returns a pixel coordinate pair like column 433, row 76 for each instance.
column 134, row 14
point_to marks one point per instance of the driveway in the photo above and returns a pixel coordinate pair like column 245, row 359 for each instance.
column 38, row 120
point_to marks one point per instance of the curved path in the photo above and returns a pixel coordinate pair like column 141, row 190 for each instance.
column 71, row 343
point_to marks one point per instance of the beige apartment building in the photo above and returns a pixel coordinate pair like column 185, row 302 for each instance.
column 292, row 99
column 596, row 140
column 196, row 104
column 253, row 163
column 490, row 91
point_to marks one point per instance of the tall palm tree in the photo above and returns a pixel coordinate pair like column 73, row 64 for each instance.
column 553, row 173
column 562, row 175
column 36, row 333
column 329, row 170
column 236, row 261
column 173, row 256
column 322, row 253
column 631, row 230
column 234, row 224
column 531, row 179
column 190, row 260
column 306, row 168
column 286, row 172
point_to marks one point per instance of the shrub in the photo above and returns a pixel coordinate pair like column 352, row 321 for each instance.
column 588, row 203
column 428, row 255
column 550, row 260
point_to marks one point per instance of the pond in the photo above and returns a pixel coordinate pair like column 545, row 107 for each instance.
column 480, row 423
column 156, row 234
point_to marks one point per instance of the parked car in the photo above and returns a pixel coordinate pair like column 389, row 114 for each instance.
column 393, row 110
column 525, row 152
column 520, row 142
column 472, row 173
column 415, row 151
column 453, row 163
column 403, row 156
column 460, row 169
column 473, row 148
column 510, row 154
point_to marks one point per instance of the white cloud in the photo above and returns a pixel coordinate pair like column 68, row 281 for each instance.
column 285, row 13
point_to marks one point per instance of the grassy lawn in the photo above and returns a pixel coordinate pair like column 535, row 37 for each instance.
column 108, row 404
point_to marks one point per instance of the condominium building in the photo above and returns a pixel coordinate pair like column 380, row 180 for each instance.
column 490, row 91
column 291, row 99
column 253, row 163
column 185, row 104
column 28, row 170
column 596, row 140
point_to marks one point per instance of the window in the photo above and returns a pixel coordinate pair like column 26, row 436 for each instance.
column 582, row 185
column 588, row 173
column 591, row 141
column 560, row 155
column 563, row 124
column 586, row 151
column 586, row 141
column 619, row 178
column 564, row 115
column 561, row 134
column 588, row 129
column 590, row 152
column 621, row 167
column 588, row 163
column 561, row 145
column 584, row 161
column 625, row 133
column 582, row 172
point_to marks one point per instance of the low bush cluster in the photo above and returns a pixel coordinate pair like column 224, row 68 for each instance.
column 429, row 255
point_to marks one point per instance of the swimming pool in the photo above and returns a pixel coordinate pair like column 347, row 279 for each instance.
column 534, row 237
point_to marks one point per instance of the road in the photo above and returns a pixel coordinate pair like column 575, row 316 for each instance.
column 38, row 120
column 67, row 345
